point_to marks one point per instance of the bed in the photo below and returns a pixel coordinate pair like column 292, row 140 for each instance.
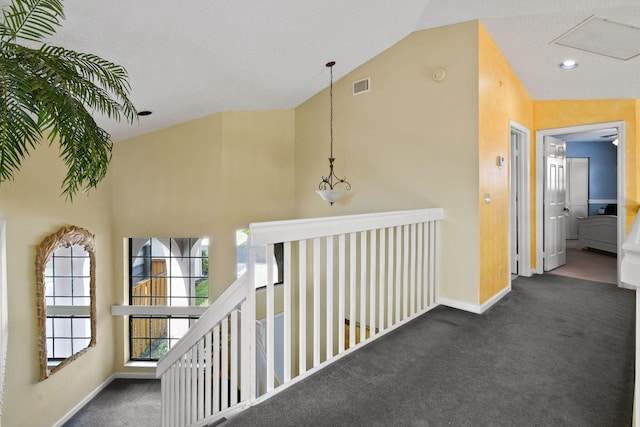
column 598, row 232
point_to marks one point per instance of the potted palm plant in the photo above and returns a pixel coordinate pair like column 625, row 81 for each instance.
column 51, row 93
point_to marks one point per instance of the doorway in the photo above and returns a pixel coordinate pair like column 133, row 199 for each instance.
column 540, row 184
column 519, row 201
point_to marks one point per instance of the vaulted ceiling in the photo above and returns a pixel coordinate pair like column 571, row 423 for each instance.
column 189, row 59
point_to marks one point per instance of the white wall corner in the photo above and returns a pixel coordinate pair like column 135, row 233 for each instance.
column 459, row 305
column 474, row 308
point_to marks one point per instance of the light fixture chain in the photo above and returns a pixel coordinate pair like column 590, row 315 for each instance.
column 331, row 110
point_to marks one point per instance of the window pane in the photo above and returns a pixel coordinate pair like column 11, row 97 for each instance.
column 81, row 286
column 81, row 301
column 49, row 348
column 63, row 252
column 81, row 327
column 165, row 272
column 80, row 343
column 62, row 348
column 61, row 266
column 62, row 286
column 241, row 251
column 78, row 251
column 61, row 327
column 160, row 247
column 49, row 324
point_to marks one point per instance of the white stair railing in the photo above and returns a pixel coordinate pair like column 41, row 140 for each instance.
column 630, row 275
column 205, row 375
column 346, row 281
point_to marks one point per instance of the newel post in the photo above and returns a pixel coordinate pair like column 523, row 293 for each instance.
column 249, row 328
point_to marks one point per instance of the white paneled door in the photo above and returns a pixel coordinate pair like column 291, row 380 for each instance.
column 555, row 210
column 577, row 193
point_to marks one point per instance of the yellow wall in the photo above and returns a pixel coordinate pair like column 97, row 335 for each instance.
column 409, row 143
column 207, row 177
column 33, row 209
column 557, row 114
column 502, row 98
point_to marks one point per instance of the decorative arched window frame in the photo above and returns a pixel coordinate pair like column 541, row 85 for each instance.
column 66, row 237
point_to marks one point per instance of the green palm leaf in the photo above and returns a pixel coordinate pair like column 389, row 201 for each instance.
column 32, row 19
column 56, row 89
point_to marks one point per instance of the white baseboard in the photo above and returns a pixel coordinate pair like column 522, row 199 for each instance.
column 497, row 297
column 94, row 393
column 135, row 375
column 460, row 305
column 83, row 402
column 474, row 308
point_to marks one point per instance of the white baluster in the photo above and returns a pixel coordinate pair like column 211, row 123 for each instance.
column 372, row 283
column 234, row 357
column 270, row 320
column 382, row 278
column 329, row 293
column 352, row 290
column 390, row 282
column 316, row 302
column 341, row 290
column 363, row 286
column 302, row 290
column 216, row 369
column 287, row 311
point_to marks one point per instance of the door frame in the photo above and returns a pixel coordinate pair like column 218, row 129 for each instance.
column 621, row 181
column 524, row 205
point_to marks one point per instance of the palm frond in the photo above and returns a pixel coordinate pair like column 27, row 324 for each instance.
column 103, row 84
column 32, row 19
column 19, row 131
column 85, row 149
column 56, row 89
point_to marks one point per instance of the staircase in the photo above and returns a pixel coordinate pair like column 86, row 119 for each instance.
column 377, row 271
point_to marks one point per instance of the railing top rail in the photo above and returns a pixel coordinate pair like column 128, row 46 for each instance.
column 264, row 233
column 232, row 297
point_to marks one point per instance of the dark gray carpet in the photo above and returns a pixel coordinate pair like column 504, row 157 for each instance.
column 123, row 403
column 556, row 351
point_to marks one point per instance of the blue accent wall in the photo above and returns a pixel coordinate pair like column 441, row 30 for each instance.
column 603, row 169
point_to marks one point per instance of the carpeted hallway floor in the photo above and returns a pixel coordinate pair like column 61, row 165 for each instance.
column 556, row 351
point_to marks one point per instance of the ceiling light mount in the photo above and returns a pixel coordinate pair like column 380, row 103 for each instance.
column 326, row 188
column 568, row 64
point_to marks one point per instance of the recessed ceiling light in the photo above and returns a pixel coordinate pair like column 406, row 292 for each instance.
column 144, row 113
column 568, row 64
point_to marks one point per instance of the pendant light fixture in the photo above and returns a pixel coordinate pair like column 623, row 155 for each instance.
column 326, row 188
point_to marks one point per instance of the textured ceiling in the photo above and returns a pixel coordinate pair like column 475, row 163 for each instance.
column 190, row 59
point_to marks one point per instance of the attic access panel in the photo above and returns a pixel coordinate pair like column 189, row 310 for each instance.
column 603, row 37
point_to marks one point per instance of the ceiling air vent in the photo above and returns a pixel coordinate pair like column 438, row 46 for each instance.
column 362, row 86
column 604, row 37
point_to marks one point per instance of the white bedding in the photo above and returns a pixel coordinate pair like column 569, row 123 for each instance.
column 598, row 232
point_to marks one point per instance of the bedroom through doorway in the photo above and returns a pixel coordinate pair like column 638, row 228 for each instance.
column 594, row 177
